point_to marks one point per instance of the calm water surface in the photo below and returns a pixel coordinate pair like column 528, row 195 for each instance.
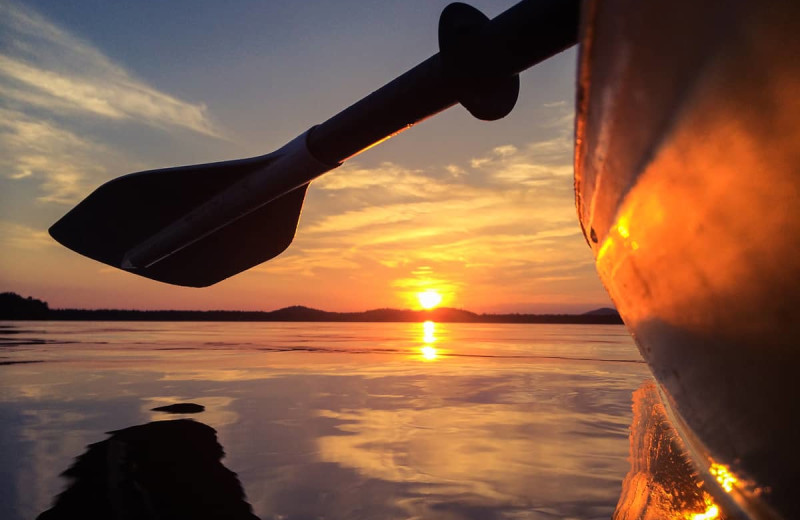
column 337, row 420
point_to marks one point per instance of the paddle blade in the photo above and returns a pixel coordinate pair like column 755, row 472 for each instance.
column 126, row 211
column 252, row 239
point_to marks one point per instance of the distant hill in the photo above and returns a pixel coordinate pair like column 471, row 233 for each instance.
column 15, row 307
column 602, row 311
column 300, row 313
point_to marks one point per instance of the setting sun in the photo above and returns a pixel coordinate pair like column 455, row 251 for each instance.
column 429, row 299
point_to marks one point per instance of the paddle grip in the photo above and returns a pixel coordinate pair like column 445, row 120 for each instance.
column 524, row 35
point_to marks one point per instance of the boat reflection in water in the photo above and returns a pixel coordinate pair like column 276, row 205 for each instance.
column 662, row 482
column 163, row 469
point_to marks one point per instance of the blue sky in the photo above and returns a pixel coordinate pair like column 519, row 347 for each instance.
column 482, row 212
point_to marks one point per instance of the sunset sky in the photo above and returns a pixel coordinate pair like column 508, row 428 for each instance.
column 481, row 212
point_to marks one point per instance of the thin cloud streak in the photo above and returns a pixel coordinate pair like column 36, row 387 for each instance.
column 60, row 160
column 67, row 74
column 17, row 236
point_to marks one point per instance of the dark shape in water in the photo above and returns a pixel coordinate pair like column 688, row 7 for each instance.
column 164, row 469
column 180, row 408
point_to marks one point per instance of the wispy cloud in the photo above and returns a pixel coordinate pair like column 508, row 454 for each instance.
column 56, row 91
column 539, row 163
column 13, row 235
column 46, row 66
column 60, row 160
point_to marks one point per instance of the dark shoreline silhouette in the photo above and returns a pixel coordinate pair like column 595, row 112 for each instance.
column 15, row 307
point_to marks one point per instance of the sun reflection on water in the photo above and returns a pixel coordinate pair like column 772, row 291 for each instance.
column 429, row 353
column 428, row 330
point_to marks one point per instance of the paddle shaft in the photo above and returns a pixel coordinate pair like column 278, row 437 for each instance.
column 520, row 37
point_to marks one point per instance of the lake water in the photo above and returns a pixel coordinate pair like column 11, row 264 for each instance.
column 333, row 420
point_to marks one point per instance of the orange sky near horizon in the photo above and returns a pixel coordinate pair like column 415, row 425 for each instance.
column 482, row 213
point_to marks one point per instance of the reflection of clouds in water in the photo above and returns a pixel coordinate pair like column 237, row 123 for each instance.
column 219, row 411
column 374, row 365
column 511, row 444
column 355, row 425
column 42, row 432
column 28, row 392
column 485, row 450
column 214, row 375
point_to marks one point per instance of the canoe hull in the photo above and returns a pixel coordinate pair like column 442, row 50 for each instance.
column 687, row 185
